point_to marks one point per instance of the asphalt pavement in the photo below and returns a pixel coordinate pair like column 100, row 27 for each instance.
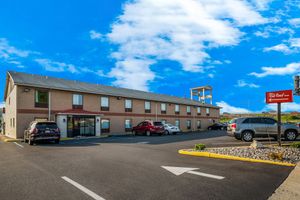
column 132, row 168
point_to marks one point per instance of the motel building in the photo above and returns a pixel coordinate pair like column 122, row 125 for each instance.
column 84, row 109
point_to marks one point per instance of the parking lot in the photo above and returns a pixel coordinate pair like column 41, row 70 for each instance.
column 132, row 168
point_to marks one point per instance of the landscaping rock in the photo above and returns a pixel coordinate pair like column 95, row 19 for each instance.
column 256, row 145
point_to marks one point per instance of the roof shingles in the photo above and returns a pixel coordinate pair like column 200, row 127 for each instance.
column 77, row 86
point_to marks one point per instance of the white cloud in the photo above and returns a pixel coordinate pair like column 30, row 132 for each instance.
column 289, row 69
column 285, row 107
column 243, row 83
column 231, row 109
column 54, row 66
column 7, row 51
column 267, row 31
column 95, row 35
column 2, row 104
column 176, row 30
column 261, row 4
column 295, row 22
column 295, row 42
column 280, row 47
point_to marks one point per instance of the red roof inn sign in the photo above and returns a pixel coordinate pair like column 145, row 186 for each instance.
column 283, row 96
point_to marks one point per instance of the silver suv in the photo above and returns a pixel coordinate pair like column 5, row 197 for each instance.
column 248, row 128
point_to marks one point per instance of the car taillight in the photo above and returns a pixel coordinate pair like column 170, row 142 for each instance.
column 35, row 131
column 233, row 125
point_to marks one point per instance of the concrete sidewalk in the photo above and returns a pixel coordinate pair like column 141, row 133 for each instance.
column 290, row 188
column 8, row 139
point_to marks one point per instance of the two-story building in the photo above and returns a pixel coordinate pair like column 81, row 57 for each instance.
column 84, row 109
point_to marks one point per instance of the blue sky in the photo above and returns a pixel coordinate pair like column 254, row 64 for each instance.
column 241, row 48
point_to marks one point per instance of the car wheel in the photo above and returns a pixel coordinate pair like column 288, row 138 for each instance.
column 148, row 133
column 133, row 133
column 290, row 135
column 56, row 141
column 167, row 132
column 247, row 136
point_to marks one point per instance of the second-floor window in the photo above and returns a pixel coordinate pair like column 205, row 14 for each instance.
column 177, row 109
column 207, row 111
column 199, row 110
column 41, row 99
column 128, row 105
column 77, row 101
column 188, row 110
column 104, row 103
column 163, row 108
column 147, row 107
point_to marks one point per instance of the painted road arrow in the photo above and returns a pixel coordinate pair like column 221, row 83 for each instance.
column 181, row 170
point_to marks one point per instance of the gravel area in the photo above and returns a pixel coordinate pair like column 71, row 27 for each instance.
column 290, row 155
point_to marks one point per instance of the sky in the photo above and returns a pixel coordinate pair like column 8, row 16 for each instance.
column 242, row 48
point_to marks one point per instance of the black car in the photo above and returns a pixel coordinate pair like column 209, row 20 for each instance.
column 217, row 126
column 42, row 131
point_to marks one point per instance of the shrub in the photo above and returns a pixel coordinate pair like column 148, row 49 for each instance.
column 199, row 147
column 295, row 145
column 276, row 156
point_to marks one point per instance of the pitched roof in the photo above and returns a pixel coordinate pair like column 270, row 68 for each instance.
column 39, row 81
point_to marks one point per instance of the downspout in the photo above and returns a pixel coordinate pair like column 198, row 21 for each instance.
column 49, row 107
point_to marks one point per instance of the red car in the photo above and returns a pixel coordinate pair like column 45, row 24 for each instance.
column 148, row 128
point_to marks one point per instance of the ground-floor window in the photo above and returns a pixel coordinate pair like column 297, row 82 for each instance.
column 198, row 124
column 163, row 121
column 128, row 125
column 177, row 123
column 105, row 125
column 188, row 124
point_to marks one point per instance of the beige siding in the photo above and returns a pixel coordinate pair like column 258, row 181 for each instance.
column 62, row 100
column 10, row 119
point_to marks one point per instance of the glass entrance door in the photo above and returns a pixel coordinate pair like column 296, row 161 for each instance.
column 81, row 126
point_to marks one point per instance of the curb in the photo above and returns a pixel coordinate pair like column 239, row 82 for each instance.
column 227, row 157
column 83, row 138
column 12, row 140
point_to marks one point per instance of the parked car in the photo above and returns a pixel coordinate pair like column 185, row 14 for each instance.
column 217, row 126
column 250, row 127
column 148, row 128
column 171, row 129
column 42, row 131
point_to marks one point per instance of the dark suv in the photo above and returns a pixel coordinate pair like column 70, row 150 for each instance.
column 148, row 128
column 42, row 131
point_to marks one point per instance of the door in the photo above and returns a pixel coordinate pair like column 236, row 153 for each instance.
column 76, row 126
column 258, row 125
column 271, row 126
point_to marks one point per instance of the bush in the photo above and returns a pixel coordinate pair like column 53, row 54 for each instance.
column 199, row 147
column 295, row 145
column 276, row 156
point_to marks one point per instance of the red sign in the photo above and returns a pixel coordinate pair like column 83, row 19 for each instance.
column 283, row 96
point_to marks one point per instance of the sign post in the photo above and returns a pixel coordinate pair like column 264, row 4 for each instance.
column 284, row 96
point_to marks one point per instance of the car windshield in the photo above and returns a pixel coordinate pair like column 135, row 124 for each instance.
column 45, row 125
column 232, row 121
column 158, row 124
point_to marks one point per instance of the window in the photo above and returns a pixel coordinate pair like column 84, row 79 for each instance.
column 41, row 99
column 270, row 121
column 177, row 123
column 77, row 101
column 188, row 124
column 13, row 122
column 188, row 110
column 104, row 103
column 105, row 125
column 207, row 111
column 177, row 109
column 163, row 108
column 128, row 105
column 198, row 124
column 128, row 125
column 256, row 120
column 147, row 107
column 198, row 110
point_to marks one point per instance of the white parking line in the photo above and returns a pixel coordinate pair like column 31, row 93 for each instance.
column 82, row 188
column 19, row 145
column 143, row 142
